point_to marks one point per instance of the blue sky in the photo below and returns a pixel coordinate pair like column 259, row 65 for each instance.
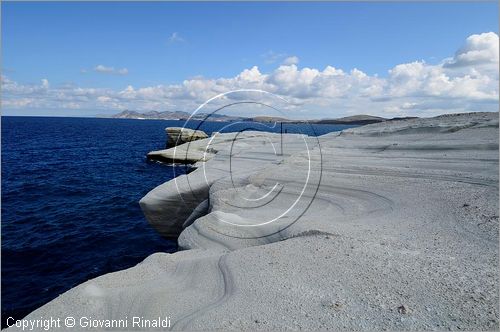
column 163, row 43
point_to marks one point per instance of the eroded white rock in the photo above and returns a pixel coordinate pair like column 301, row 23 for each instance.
column 409, row 216
column 179, row 135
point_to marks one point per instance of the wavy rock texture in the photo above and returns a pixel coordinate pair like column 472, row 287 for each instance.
column 386, row 226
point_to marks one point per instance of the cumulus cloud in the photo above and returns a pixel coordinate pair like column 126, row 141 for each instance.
column 468, row 81
column 110, row 70
column 479, row 49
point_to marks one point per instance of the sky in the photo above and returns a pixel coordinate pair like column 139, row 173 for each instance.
column 327, row 59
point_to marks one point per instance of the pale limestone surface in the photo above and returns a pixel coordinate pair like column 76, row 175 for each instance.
column 180, row 135
column 177, row 137
column 395, row 227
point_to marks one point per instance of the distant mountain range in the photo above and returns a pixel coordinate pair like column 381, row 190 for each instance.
column 361, row 119
column 178, row 115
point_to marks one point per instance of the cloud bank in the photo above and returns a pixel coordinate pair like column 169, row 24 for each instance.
column 110, row 70
column 466, row 82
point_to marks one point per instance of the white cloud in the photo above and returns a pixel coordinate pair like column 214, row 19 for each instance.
column 478, row 49
column 466, row 82
column 175, row 37
column 291, row 60
column 10, row 87
column 110, row 70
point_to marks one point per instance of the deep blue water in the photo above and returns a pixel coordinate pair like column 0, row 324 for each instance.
column 70, row 192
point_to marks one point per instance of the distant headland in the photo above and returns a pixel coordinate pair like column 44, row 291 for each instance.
column 360, row 119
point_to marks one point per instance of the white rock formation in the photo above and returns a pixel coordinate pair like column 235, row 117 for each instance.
column 387, row 226
column 180, row 135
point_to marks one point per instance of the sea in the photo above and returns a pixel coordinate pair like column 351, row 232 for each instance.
column 69, row 200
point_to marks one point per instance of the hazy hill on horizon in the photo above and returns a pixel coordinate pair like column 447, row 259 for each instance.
column 359, row 119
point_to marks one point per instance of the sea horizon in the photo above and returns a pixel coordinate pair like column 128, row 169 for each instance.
column 281, row 166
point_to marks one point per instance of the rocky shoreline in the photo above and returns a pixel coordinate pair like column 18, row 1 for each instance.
column 387, row 226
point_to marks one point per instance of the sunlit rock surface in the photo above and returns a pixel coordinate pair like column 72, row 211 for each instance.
column 179, row 135
column 387, row 226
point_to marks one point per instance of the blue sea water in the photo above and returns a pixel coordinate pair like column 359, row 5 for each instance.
column 70, row 192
